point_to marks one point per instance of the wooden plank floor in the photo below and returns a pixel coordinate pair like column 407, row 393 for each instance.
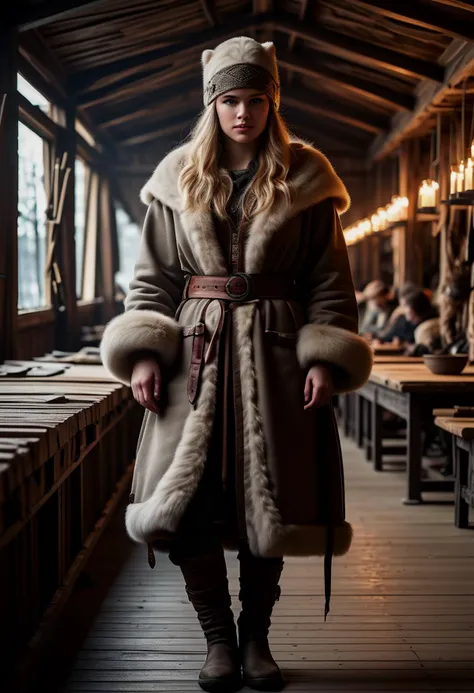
column 402, row 616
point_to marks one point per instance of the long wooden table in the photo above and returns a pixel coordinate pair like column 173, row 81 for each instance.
column 411, row 391
column 462, row 431
column 67, row 444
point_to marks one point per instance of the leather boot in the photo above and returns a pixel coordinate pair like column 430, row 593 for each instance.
column 208, row 591
column 259, row 590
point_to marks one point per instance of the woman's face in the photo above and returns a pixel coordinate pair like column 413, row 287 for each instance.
column 243, row 114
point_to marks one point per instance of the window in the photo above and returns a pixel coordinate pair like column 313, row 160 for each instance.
column 32, row 238
column 128, row 235
column 81, row 173
column 33, row 95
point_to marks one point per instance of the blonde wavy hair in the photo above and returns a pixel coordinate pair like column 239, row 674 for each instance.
column 204, row 184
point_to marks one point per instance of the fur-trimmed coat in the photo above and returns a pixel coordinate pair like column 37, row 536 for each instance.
column 289, row 458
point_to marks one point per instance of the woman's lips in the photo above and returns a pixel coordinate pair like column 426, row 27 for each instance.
column 243, row 127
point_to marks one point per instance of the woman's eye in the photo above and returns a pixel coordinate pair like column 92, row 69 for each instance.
column 257, row 100
column 230, row 102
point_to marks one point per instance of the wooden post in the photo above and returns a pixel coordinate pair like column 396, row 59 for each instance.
column 410, row 250
column 444, row 185
column 107, row 273
column 400, row 244
column 8, row 191
column 67, row 337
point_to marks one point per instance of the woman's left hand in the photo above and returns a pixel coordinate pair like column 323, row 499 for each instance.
column 319, row 387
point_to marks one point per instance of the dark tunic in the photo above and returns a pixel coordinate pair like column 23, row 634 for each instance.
column 220, row 474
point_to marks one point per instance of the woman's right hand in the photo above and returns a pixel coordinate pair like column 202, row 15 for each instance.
column 146, row 383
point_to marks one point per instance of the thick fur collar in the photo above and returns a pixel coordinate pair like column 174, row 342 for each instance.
column 311, row 174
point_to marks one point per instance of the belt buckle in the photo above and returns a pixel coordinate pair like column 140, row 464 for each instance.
column 239, row 286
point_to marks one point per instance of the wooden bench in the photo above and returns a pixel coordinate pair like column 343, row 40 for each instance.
column 462, row 432
column 67, row 444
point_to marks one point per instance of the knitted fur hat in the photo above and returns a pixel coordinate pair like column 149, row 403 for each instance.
column 241, row 63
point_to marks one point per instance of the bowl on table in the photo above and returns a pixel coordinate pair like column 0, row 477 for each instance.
column 446, row 364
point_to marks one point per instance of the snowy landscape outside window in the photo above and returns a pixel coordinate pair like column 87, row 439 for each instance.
column 33, row 95
column 81, row 185
column 128, row 235
column 31, row 220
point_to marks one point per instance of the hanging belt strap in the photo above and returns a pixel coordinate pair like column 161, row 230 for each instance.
column 197, row 356
column 328, row 567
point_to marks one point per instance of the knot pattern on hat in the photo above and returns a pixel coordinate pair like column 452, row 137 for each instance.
column 242, row 76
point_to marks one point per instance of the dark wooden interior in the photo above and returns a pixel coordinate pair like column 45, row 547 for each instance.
column 386, row 90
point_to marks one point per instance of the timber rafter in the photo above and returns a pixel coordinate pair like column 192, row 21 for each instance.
column 354, row 49
column 166, row 128
column 454, row 22
column 112, row 73
column 356, row 81
column 307, row 63
column 33, row 16
column 303, row 100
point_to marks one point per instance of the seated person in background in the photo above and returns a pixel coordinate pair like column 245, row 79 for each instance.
column 420, row 312
column 398, row 328
column 359, row 294
column 378, row 309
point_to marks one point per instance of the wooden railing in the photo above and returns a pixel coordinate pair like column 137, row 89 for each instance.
column 67, row 444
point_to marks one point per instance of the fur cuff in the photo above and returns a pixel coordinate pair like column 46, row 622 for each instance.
column 347, row 351
column 138, row 330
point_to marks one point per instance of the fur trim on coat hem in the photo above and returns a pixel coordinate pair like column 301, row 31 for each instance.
column 134, row 331
column 298, row 541
column 163, row 510
column 342, row 348
column 310, row 540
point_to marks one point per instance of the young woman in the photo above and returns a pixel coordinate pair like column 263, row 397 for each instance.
column 240, row 325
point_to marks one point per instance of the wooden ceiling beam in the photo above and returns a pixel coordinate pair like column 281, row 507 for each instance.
column 304, row 100
column 156, row 111
column 320, row 141
column 33, row 49
column 456, row 23
column 34, row 16
column 468, row 6
column 111, row 73
column 353, row 140
column 209, row 9
column 93, row 83
column 431, row 97
column 303, row 8
column 155, row 116
column 356, row 50
column 167, row 128
column 152, row 101
column 262, row 6
column 128, row 89
column 308, row 65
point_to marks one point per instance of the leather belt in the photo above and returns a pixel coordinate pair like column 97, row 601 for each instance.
column 241, row 287
column 229, row 291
